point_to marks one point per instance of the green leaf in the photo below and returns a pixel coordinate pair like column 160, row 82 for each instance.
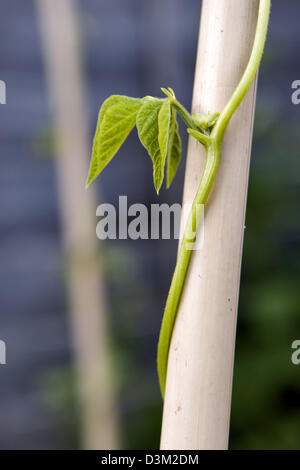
column 116, row 120
column 147, row 126
column 164, row 119
column 111, row 101
column 174, row 153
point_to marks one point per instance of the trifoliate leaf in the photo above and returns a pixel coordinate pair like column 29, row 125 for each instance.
column 116, row 120
column 147, row 126
column 174, row 152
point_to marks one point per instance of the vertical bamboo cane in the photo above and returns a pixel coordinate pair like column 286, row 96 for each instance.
column 199, row 382
column 88, row 307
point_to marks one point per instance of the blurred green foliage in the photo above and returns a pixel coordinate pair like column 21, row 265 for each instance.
column 266, row 392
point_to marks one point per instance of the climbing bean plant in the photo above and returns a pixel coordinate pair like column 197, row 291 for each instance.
column 157, row 126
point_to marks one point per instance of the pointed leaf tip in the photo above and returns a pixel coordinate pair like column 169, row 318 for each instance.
column 167, row 93
column 116, row 120
column 172, row 91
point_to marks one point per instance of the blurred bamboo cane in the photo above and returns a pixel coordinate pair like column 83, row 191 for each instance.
column 87, row 302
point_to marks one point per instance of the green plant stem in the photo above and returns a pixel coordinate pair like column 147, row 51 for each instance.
column 213, row 156
column 185, row 115
column 250, row 72
column 213, row 147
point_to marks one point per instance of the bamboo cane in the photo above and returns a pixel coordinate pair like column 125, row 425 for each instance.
column 88, row 306
column 199, row 381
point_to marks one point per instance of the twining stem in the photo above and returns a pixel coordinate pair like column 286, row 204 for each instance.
column 213, row 156
column 250, row 72
column 213, row 147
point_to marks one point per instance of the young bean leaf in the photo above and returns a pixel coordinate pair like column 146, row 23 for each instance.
column 111, row 101
column 206, row 121
column 169, row 92
column 116, row 120
column 147, row 126
column 174, row 152
column 164, row 120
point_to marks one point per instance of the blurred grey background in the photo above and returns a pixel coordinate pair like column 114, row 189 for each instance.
column 134, row 47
